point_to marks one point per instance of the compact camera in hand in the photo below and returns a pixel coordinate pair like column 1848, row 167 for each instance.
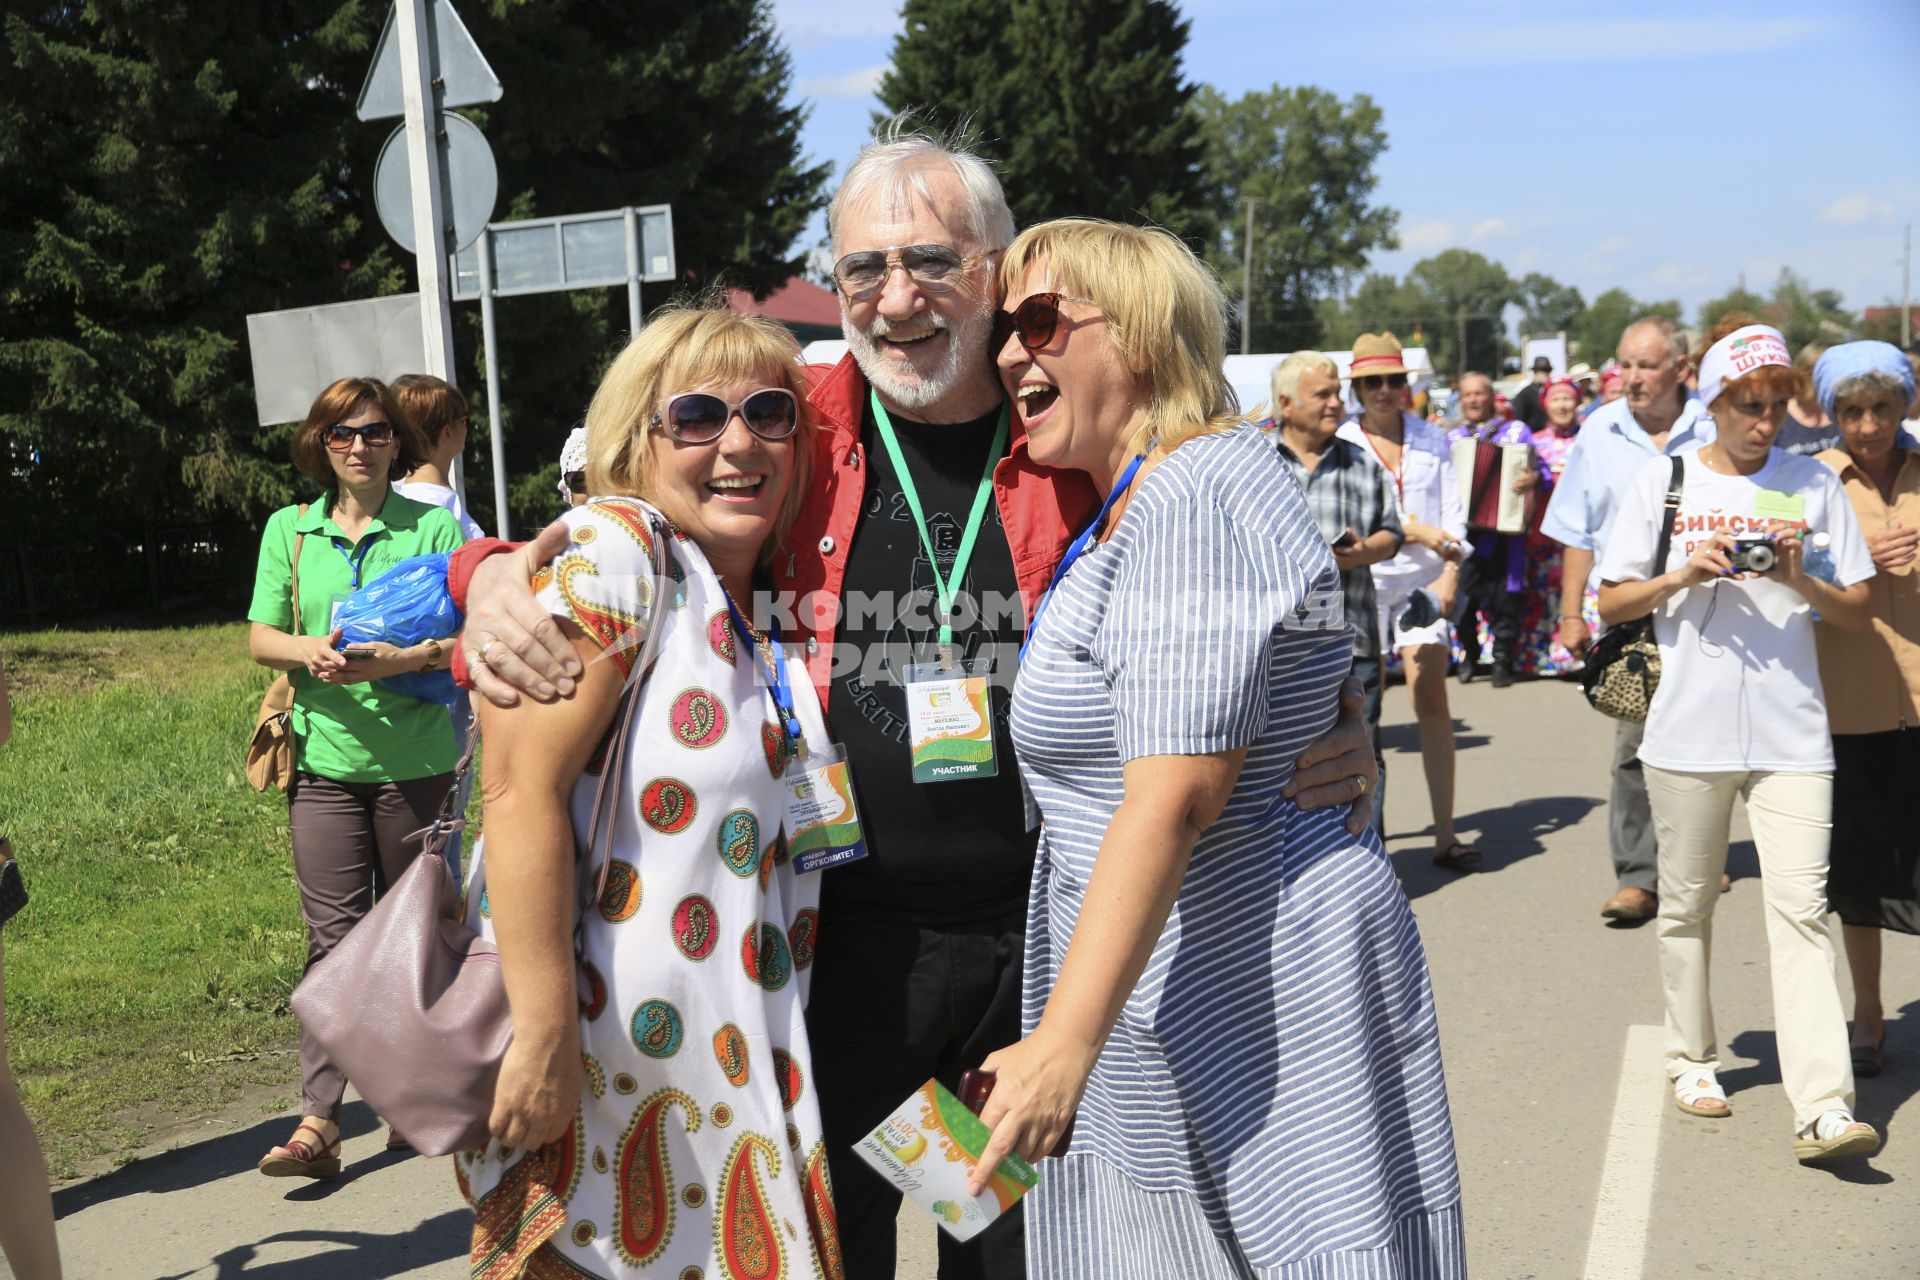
column 1753, row 553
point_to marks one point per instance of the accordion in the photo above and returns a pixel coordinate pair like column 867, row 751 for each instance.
column 1486, row 473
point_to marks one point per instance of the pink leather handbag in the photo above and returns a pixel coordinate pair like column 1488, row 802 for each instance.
column 411, row 1004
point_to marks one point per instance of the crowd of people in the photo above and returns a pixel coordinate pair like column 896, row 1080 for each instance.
column 1028, row 485
column 1184, row 701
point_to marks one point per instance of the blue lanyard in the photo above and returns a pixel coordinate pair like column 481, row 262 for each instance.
column 776, row 675
column 355, row 557
column 1078, row 547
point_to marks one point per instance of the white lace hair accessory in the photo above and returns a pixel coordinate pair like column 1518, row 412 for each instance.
column 1739, row 354
column 573, row 457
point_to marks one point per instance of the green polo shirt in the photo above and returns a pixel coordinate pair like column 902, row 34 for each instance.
column 353, row 732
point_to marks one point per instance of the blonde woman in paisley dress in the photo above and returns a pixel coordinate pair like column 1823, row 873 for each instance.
column 655, row 1113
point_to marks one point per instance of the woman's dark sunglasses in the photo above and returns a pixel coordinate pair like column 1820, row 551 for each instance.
column 339, row 436
column 934, row 267
column 576, row 482
column 695, row 417
column 1374, row 381
column 1036, row 320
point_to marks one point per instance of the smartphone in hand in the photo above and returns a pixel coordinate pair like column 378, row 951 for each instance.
column 977, row 1086
column 1347, row 540
column 357, row 655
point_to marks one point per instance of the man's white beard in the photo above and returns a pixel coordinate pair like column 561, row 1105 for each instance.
column 902, row 384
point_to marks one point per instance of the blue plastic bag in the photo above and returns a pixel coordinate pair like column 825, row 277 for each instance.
column 406, row 605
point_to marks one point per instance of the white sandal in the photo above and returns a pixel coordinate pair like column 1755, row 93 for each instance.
column 1833, row 1135
column 1696, row 1085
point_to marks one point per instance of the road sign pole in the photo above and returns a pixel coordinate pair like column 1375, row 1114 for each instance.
column 429, row 198
column 632, row 219
column 496, row 417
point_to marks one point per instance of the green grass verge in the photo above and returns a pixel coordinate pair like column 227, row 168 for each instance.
column 150, row 973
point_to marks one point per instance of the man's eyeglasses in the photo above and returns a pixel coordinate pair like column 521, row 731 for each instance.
column 339, row 436
column 695, row 417
column 934, row 267
column 1036, row 320
column 1374, row 381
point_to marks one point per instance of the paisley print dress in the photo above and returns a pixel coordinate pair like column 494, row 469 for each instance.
column 697, row 1151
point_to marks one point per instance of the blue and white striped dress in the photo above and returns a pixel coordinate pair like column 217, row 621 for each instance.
column 1271, row 1102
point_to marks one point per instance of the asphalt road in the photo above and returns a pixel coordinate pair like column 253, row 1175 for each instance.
column 1575, row 1164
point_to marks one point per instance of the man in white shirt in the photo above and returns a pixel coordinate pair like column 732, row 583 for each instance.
column 1416, row 454
column 1656, row 416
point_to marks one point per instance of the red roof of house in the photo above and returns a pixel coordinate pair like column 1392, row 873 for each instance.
column 798, row 301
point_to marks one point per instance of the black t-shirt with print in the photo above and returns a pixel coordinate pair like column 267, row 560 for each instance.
column 941, row 849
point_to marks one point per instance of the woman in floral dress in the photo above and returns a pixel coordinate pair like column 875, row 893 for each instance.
column 655, row 1112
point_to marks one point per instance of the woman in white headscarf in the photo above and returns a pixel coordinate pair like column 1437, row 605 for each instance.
column 1740, row 712
column 1873, row 676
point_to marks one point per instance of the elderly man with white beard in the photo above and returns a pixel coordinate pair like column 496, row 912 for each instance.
column 928, row 535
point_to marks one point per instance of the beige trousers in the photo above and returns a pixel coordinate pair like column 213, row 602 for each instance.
column 1790, row 814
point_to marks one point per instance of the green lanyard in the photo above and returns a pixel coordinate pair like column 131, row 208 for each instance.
column 948, row 585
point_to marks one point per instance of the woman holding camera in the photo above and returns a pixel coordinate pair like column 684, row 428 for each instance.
column 1740, row 711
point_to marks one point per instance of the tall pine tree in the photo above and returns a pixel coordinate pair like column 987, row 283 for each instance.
column 683, row 102
column 1083, row 106
column 165, row 168
column 168, row 166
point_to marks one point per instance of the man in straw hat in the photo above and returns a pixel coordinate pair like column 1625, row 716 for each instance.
column 1418, row 586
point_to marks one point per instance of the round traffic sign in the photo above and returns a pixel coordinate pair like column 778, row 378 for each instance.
column 472, row 183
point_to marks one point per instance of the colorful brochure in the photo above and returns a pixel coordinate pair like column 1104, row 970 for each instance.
column 928, row 1148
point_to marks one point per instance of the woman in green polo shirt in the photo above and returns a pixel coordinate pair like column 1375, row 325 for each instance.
column 370, row 766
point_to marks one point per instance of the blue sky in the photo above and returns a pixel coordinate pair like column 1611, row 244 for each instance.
column 1660, row 147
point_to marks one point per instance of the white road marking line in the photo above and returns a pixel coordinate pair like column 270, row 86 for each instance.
column 1617, row 1248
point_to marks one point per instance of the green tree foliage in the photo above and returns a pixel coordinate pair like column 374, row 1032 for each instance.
column 1083, row 107
column 1306, row 158
column 1546, row 305
column 1469, row 292
column 1738, row 298
column 168, row 166
column 682, row 103
column 1594, row 334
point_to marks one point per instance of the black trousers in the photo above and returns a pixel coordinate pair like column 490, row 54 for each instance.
column 1483, row 588
column 894, row 1002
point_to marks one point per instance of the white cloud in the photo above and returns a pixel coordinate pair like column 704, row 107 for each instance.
column 1677, row 275
column 1425, row 237
column 1855, row 209
column 854, row 84
column 810, row 24
column 1610, row 246
column 1490, row 227
column 1572, row 40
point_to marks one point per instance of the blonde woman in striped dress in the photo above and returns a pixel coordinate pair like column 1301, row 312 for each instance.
column 1226, row 996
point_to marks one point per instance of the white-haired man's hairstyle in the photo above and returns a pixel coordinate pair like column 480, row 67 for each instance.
column 1286, row 374
column 1668, row 328
column 898, row 161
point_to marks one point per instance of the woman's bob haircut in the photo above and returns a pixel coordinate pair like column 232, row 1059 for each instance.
column 343, row 398
column 1166, row 315
column 686, row 346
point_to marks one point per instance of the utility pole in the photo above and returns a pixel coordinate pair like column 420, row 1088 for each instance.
column 1246, row 282
column 1906, row 304
column 1460, row 352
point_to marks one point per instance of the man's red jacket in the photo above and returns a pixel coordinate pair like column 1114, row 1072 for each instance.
column 1040, row 507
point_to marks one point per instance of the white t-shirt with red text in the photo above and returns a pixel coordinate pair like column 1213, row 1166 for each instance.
column 1739, row 680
